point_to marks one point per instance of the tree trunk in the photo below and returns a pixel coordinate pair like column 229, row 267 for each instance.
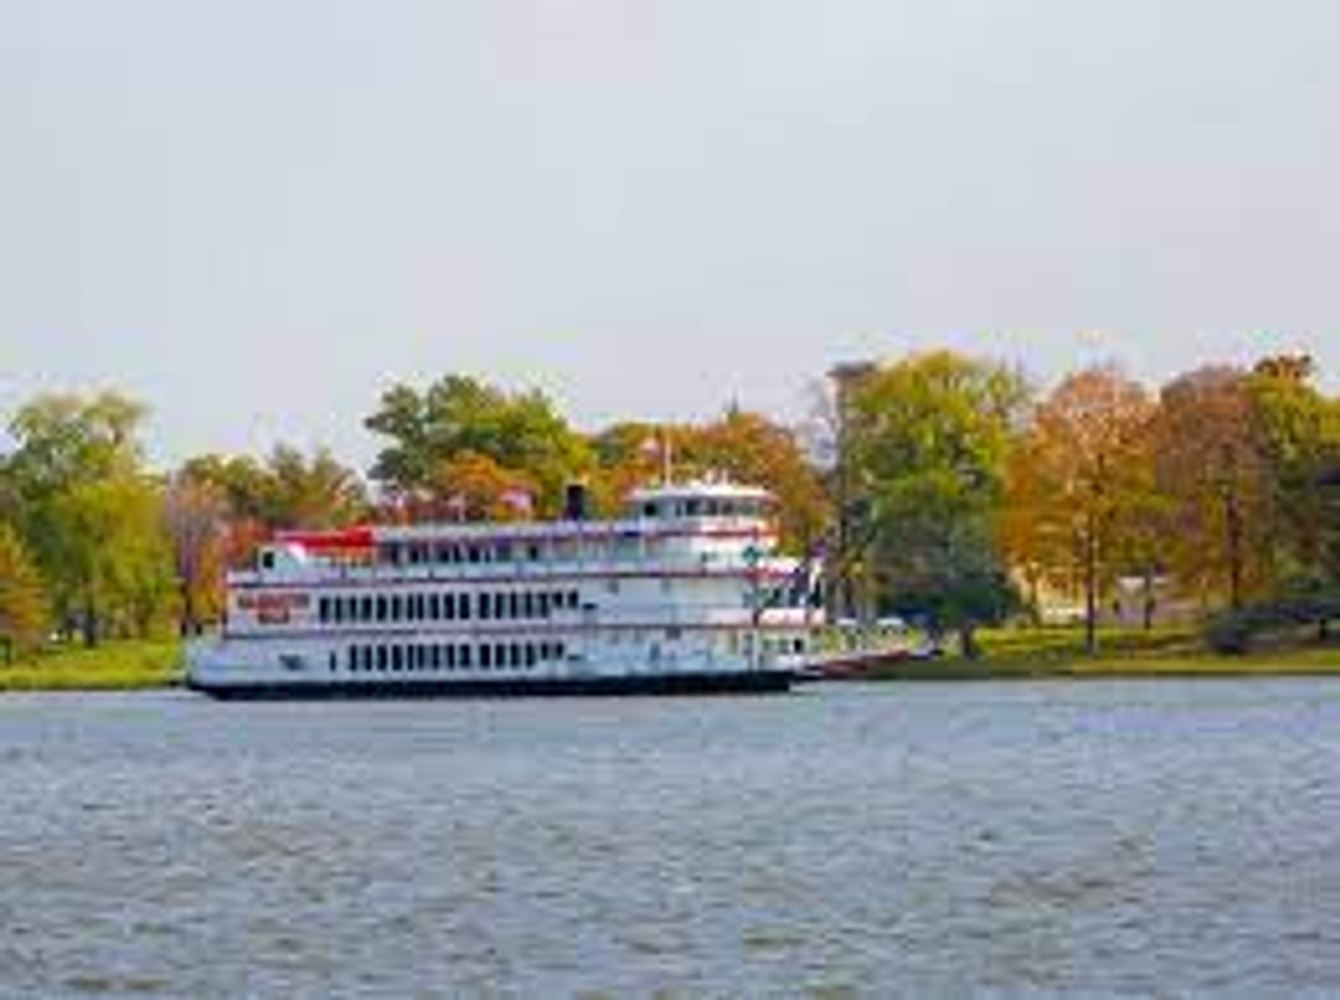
column 187, row 623
column 88, row 624
column 967, row 640
column 1233, row 519
column 1091, row 589
column 1150, row 602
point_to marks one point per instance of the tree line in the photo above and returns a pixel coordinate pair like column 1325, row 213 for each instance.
column 938, row 486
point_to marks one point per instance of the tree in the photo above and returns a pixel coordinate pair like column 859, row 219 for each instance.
column 23, row 611
column 314, row 493
column 115, row 557
column 473, row 487
column 88, row 514
column 1081, row 480
column 929, row 436
column 628, row 455
column 521, row 432
column 1300, row 443
column 288, row 490
column 754, row 450
column 1212, row 465
column 196, row 514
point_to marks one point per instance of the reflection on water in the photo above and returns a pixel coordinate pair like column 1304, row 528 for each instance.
column 843, row 841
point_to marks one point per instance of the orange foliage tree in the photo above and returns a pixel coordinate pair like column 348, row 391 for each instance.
column 1080, row 487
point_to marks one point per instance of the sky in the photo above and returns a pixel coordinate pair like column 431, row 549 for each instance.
column 257, row 215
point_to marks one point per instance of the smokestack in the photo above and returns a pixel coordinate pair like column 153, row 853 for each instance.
column 574, row 502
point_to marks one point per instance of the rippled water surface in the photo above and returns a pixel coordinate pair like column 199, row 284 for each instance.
column 840, row 841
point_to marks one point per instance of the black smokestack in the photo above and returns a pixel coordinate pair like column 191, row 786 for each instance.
column 574, row 502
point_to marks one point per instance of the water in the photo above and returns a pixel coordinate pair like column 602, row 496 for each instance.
column 844, row 841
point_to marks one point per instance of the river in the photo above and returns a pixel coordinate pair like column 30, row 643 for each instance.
column 843, row 841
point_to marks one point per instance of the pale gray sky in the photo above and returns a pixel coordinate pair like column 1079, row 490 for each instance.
column 255, row 214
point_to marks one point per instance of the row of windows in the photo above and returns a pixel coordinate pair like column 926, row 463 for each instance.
column 415, row 657
column 701, row 507
column 444, row 606
column 455, row 553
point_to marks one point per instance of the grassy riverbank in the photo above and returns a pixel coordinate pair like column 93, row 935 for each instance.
column 113, row 666
column 1027, row 653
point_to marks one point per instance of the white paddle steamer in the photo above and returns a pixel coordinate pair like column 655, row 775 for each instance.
column 684, row 594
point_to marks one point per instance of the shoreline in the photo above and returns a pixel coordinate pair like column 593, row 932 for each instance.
column 1289, row 664
column 157, row 665
column 121, row 665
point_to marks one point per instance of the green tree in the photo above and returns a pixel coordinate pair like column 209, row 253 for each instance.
column 928, row 438
column 115, row 555
column 521, row 432
column 23, row 608
column 288, row 490
column 88, row 515
column 1300, row 443
column 316, row 492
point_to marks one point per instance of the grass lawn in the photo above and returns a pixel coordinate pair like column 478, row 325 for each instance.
column 1121, row 653
column 114, row 666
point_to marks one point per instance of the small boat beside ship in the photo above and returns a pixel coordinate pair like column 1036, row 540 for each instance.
column 684, row 593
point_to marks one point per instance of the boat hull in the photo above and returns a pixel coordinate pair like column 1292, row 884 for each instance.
column 718, row 682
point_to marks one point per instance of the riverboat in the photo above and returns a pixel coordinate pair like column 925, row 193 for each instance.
column 684, row 593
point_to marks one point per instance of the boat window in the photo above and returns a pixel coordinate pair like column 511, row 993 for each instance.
column 267, row 559
column 485, row 656
column 464, row 657
column 533, row 552
column 485, row 605
column 499, row 655
column 530, row 654
column 572, row 598
column 397, row 611
column 381, row 657
column 528, row 605
column 434, row 606
column 463, row 606
column 381, row 608
column 650, row 509
column 514, row 604
column 542, row 605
